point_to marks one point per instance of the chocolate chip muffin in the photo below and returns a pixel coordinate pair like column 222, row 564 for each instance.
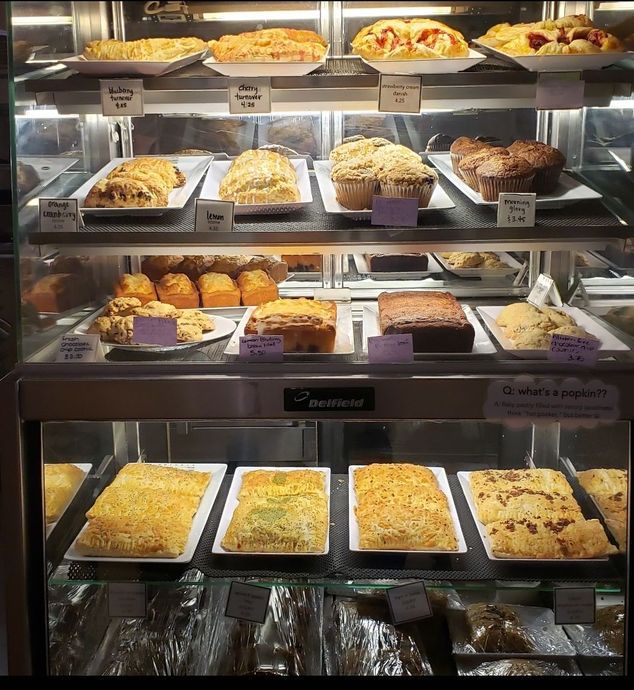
column 462, row 147
column 547, row 161
column 470, row 163
column 504, row 174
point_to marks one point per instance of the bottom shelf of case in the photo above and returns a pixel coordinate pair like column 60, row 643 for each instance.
column 341, row 564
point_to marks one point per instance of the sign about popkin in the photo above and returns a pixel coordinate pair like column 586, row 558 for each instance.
column 59, row 215
column 122, row 97
column 249, row 96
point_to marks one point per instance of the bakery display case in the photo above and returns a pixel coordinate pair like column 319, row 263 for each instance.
column 308, row 346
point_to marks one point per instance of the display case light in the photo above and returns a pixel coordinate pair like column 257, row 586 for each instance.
column 612, row 6
column 395, row 11
column 65, row 20
column 261, row 16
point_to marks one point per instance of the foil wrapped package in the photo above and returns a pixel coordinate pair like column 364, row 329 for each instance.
column 288, row 643
column 522, row 667
column 606, row 637
column 361, row 640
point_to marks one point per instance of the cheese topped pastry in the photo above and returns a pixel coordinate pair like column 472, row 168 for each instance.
column 271, row 483
column 60, row 483
column 540, row 480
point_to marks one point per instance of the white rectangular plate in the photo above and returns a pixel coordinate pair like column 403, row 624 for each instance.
column 610, row 345
column 232, row 503
column 198, row 525
column 558, row 63
column 126, row 68
column 86, row 468
column 429, row 66
column 568, row 190
column 272, row 68
column 194, row 167
column 47, row 169
column 512, row 266
column 482, row 344
column 353, row 526
column 218, row 169
column 362, row 267
column 224, row 327
column 439, row 200
column 463, row 478
column 344, row 340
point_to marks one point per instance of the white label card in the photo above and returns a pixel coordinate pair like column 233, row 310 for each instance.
column 214, row 216
column 261, row 348
column 572, row 350
column 543, row 290
column 79, row 348
column 574, row 605
column 399, row 94
column 59, row 215
column 249, row 95
column 559, row 91
column 122, row 97
column 248, row 602
column 333, row 294
column 408, row 603
column 127, row 600
column 516, row 210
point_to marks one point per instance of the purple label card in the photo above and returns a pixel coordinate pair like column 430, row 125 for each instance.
column 568, row 348
column 399, row 212
column 391, row 349
column 152, row 330
column 262, row 348
column 559, row 91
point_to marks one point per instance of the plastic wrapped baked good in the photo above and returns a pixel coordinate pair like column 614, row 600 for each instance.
column 496, row 628
column 518, row 667
column 361, row 640
column 288, row 643
column 605, row 637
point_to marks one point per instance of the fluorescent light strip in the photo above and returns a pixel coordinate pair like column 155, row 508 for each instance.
column 390, row 11
column 618, row 6
column 261, row 16
column 41, row 21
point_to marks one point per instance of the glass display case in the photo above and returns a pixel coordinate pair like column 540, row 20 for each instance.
column 449, row 384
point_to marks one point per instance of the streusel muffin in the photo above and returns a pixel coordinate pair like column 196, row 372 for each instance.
column 408, row 178
column 355, row 183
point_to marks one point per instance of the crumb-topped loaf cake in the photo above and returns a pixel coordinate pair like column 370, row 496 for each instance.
column 435, row 320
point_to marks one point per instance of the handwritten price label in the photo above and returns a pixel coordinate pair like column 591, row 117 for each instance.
column 408, row 603
column 214, row 216
column 262, row 348
column 399, row 94
column 248, row 602
column 391, row 349
column 59, row 215
column 79, row 348
column 516, row 210
column 568, row 348
column 121, row 97
column 249, row 96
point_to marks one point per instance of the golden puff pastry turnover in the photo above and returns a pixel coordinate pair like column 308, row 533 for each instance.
column 122, row 192
column 546, row 538
column 170, row 174
column 270, row 45
column 154, row 49
column 484, row 481
column 389, row 475
column 60, row 484
column 406, row 39
column 603, row 481
column 165, row 479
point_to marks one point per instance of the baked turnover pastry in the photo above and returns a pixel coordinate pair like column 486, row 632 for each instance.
column 409, row 39
column 146, row 49
column 60, row 484
column 307, row 325
column 608, row 488
column 539, row 480
column 146, row 512
column 435, row 320
column 279, row 512
column 270, row 45
column 400, row 506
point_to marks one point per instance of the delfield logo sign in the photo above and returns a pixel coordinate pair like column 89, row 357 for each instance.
column 328, row 399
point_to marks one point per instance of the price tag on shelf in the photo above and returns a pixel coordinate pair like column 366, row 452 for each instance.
column 214, row 216
column 153, row 330
column 394, row 211
column 121, row 97
column 79, row 348
column 574, row 605
column 59, row 215
column 543, row 290
column 333, row 294
column 559, row 91
column 408, row 603
column 568, row 348
column 249, row 96
column 262, row 348
column 516, row 210
column 399, row 94
column 391, row 349
column 127, row 600
column 248, row 602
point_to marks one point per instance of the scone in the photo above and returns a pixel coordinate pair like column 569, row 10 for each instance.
column 186, row 331
column 121, row 306
column 156, row 309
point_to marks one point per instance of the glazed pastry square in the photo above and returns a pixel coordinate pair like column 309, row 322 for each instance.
column 269, row 483
column 280, row 524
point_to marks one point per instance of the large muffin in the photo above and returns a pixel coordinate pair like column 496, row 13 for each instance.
column 462, row 147
column 547, row 161
column 504, row 174
column 408, row 178
column 471, row 162
column 388, row 155
column 357, row 149
column 354, row 181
